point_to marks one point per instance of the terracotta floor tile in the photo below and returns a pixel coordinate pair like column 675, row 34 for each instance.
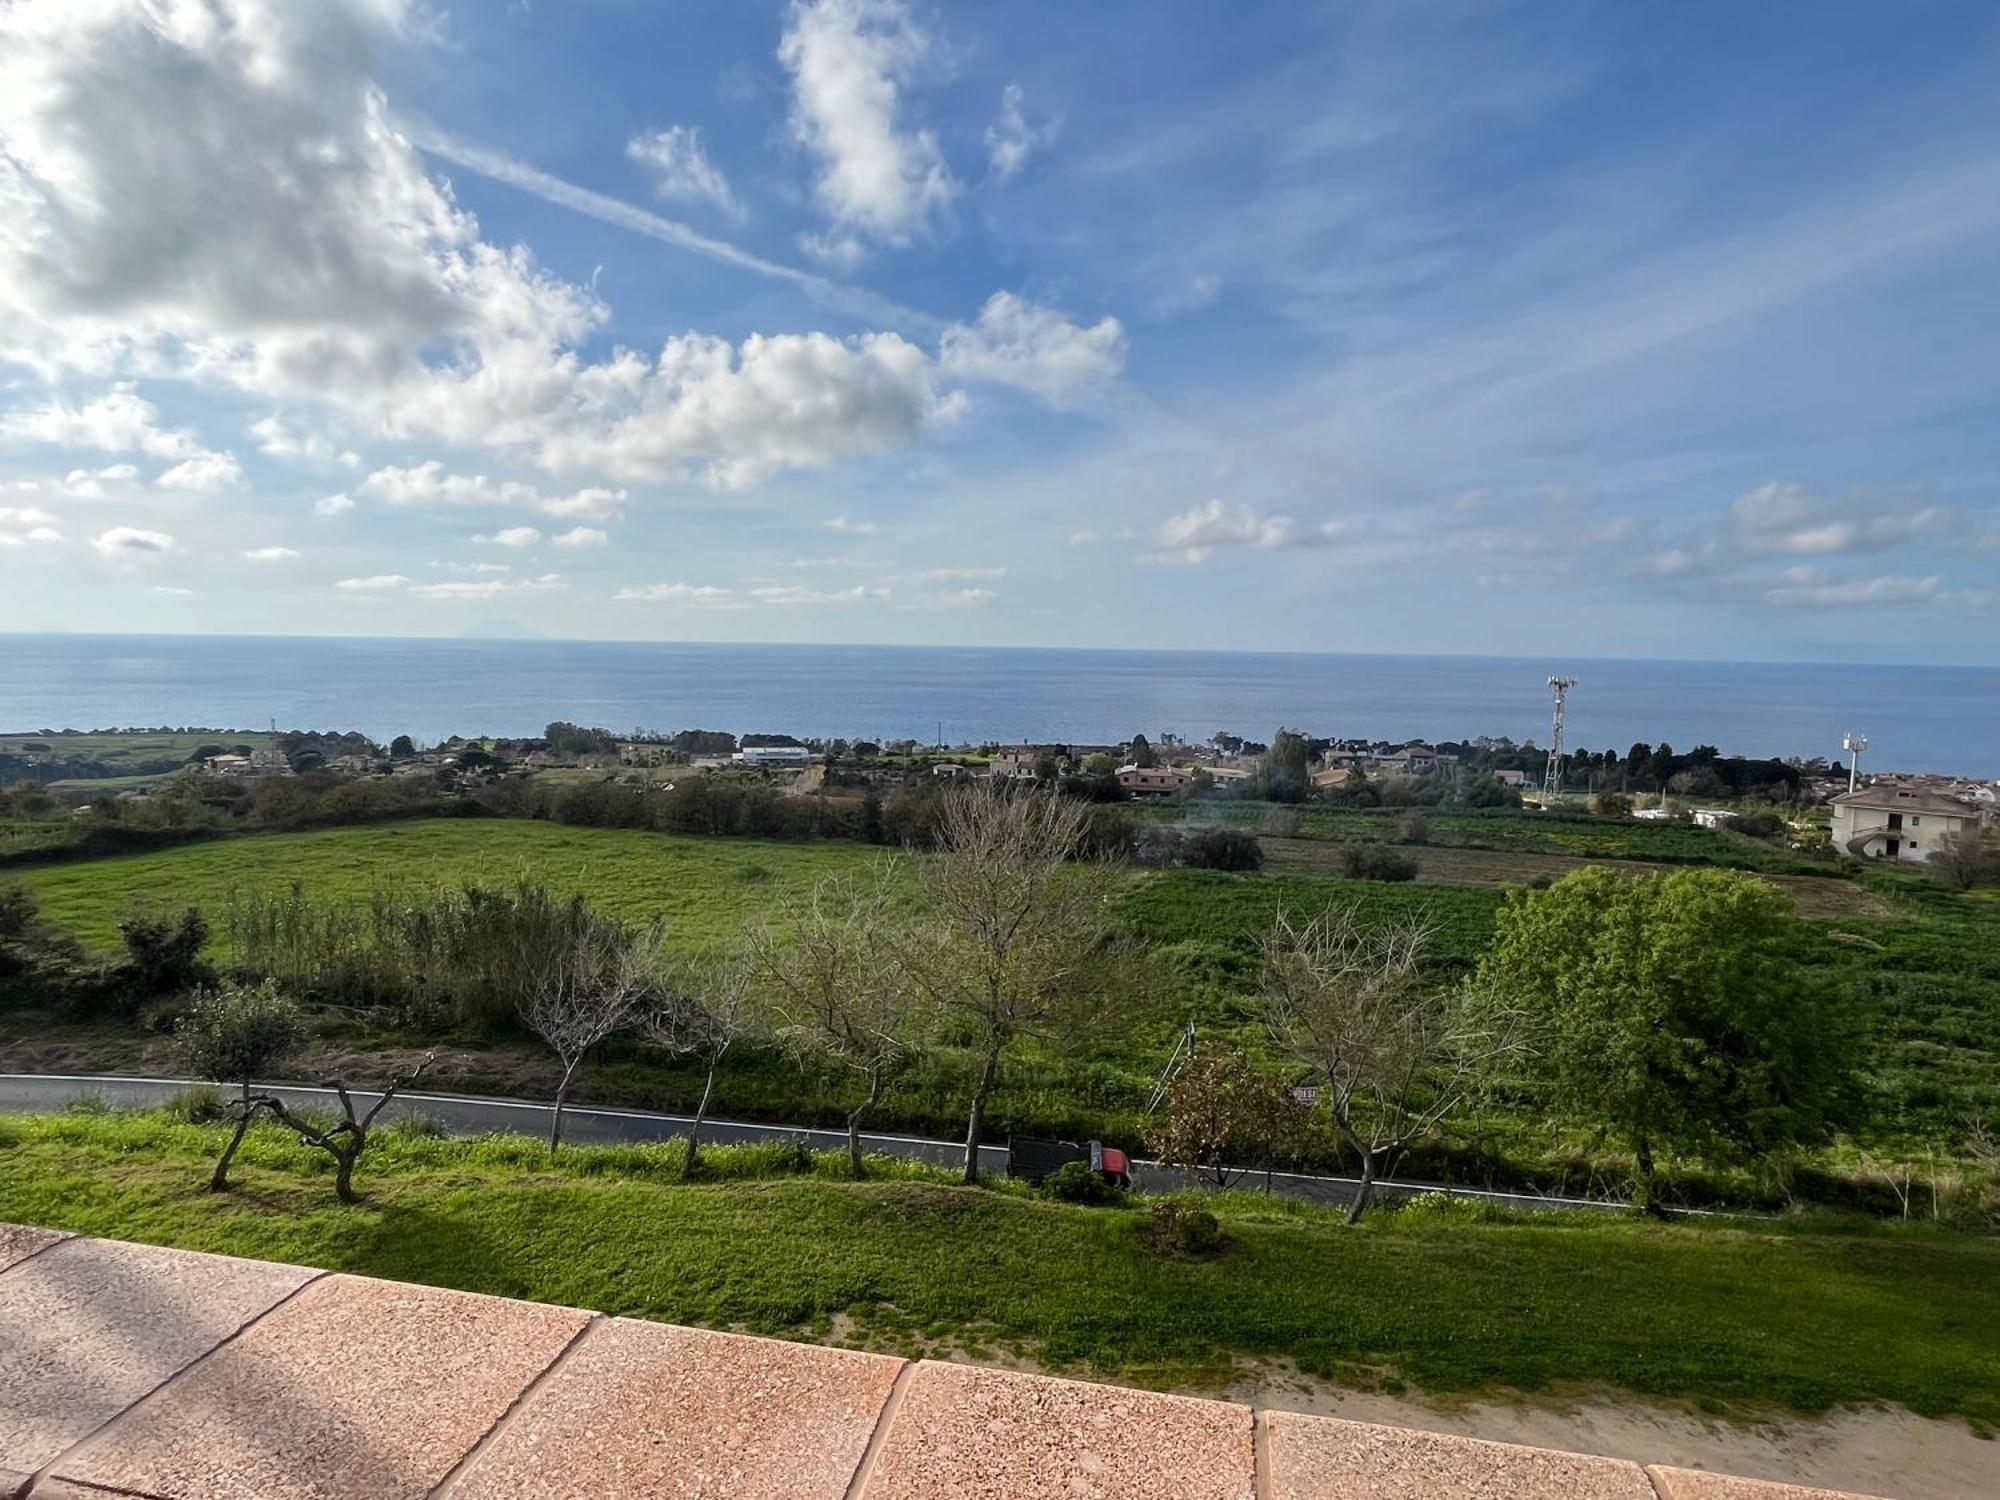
column 353, row 1388
column 1323, row 1458
column 89, row 1327
column 643, row 1409
column 961, row 1433
column 19, row 1241
column 1694, row 1484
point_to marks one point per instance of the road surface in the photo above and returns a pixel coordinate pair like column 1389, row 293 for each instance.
column 467, row 1114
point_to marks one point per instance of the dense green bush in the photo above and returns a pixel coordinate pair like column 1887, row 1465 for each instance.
column 1376, row 862
column 1179, row 1225
column 1074, row 1182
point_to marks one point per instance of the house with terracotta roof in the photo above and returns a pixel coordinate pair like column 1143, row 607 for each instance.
column 1898, row 822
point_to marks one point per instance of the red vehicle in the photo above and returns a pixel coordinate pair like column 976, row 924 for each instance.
column 1032, row 1160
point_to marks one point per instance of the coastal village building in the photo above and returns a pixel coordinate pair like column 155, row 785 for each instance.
column 774, row 755
column 1898, row 822
column 1155, row 781
column 1019, row 760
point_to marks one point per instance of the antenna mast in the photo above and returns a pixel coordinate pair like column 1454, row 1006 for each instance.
column 1853, row 744
column 1552, row 778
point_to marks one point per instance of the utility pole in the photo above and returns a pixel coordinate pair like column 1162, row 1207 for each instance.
column 1853, row 744
column 1552, row 777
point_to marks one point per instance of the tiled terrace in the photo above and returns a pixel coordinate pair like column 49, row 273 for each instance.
column 127, row 1370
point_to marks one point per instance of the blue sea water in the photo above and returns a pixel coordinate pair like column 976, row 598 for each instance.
column 1917, row 718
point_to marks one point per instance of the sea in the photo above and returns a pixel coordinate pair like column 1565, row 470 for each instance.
column 1916, row 718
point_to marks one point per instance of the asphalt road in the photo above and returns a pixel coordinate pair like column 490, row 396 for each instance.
column 465, row 1114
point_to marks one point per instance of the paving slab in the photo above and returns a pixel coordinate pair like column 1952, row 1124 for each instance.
column 1697, row 1484
column 90, row 1326
column 963, row 1433
column 1324, row 1458
column 353, row 1388
column 19, row 1241
column 644, row 1409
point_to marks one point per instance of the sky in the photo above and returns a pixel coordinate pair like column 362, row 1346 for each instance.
column 1596, row 329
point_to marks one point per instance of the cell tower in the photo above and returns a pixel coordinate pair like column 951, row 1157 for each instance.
column 1552, row 779
column 1853, row 744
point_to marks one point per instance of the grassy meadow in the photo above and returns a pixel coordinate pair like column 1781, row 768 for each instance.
column 1729, row 1315
column 1924, row 960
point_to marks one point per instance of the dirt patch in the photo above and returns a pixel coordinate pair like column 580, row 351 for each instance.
column 1879, row 1451
column 1820, row 897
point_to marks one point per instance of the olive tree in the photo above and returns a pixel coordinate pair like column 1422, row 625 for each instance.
column 1674, row 1011
column 235, row 1034
column 1017, row 922
column 1394, row 1051
column 707, row 1005
column 347, row 1137
column 828, row 968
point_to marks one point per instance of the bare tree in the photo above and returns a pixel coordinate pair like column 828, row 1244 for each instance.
column 1967, row 858
column 347, row 1138
column 1018, row 920
column 599, row 986
column 1395, row 1055
column 707, row 1006
column 837, row 993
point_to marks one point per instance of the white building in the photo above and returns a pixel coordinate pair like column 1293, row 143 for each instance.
column 1897, row 822
column 774, row 755
column 1713, row 817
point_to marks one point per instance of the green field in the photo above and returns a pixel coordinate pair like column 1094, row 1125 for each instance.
column 704, row 888
column 117, row 748
column 1926, row 961
column 1731, row 1316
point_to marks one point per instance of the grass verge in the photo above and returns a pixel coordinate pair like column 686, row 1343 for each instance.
column 1724, row 1316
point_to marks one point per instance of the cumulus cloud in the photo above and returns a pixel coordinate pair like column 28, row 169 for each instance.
column 1789, row 519
column 850, row 62
column 581, row 536
column 1010, row 139
column 332, row 505
column 130, row 541
column 276, row 440
column 706, row 596
column 374, row 583
column 798, row 593
column 430, row 483
column 512, row 536
column 953, row 575
column 204, row 474
column 594, row 504
column 119, row 421
column 271, row 554
column 1193, row 536
column 27, row 525
column 676, row 159
column 217, row 192
column 486, row 588
column 1025, row 344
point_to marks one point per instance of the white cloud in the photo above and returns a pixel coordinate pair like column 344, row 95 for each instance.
column 1807, row 589
column 119, row 421
column 593, row 504
column 375, row 583
column 581, row 536
column 473, row 567
column 704, row 595
column 952, row 575
column 677, row 160
column 35, row 526
column 128, row 541
column 486, row 588
column 276, row 440
column 219, row 194
column 850, row 61
column 1193, row 536
column 512, row 536
column 332, row 505
column 1025, row 344
column 205, row 474
column 271, row 554
column 1082, row 538
column 798, row 593
column 430, row 483
column 1010, row 139
column 964, row 597
column 173, row 591
column 25, row 515
column 854, row 528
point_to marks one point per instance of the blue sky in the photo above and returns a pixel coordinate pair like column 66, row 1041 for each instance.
column 1603, row 329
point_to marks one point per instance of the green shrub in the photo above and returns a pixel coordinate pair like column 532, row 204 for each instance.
column 1178, row 1225
column 1376, row 862
column 1074, row 1182
column 199, row 1104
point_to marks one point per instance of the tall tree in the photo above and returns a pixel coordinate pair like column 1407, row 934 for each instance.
column 1394, row 1051
column 1018, row 921
column 598, row 986
column 1674, row 1009
column 707, row 1005
column 838, row 997
column 236, row 1034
